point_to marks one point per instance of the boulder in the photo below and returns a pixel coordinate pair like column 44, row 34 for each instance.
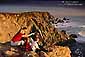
column 59, row 51
column 8, row 27
column 82, row 33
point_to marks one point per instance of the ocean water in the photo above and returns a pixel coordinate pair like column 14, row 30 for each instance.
column 76, row 25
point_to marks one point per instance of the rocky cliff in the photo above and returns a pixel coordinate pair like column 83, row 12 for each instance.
column 11, row 23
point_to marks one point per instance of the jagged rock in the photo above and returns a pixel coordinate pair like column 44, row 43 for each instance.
column 73, row 36
column 11, row 23
column 7, row 27
column 53, row 51
column 34, row 54
column 10, row 53
column 2, row 54
column 59, row 51
column 43, row 54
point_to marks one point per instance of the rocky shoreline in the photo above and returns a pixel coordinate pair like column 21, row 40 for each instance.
column 11, row 23
column 83, row 48
column 8, row 51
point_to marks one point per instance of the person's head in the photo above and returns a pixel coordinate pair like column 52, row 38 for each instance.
column 63, row 31
column 37, row 36
column 23, row 30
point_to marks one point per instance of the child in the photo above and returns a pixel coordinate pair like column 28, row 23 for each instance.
column 26, row 46
column 27, row 43
column 34, row 44
column 16, row 40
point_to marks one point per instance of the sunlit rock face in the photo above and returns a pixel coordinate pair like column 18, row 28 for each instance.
column 54, row 51
column 8, row 28
column 59, row 51
column 10, row 23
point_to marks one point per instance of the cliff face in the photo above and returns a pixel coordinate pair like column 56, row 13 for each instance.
column 59, row 51
column 8, row 28
column 11, row 23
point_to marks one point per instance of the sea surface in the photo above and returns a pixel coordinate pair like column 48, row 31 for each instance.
column 76, row 24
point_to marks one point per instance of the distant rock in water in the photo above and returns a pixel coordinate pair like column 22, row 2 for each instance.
column 73, row 36
column 82, row 33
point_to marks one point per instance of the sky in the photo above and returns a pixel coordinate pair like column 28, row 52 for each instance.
column 56, row 8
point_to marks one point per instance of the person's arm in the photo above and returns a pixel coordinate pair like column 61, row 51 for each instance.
column 24, row 35
column 36, row 45
column 31, row 41
column 31, row 34
column 28, row 35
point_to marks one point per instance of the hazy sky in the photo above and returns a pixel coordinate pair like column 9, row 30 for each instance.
column 55, row 8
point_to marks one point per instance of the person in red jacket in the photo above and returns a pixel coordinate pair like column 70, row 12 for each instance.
column 17, row 39
column 26, row 46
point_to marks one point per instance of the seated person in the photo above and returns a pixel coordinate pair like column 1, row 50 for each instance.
column 26, row 46
column 16, row 40
column 27, row 43
column 34, row 44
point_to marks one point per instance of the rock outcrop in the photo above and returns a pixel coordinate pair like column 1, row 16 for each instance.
column 11, row 23
column 54, row 51
column 59, row 51
column 82, row 33
column 8, row 27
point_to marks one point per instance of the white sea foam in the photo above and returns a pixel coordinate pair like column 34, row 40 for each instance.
column 80, row 39
column 70, row 24
column 83, row 26
column 74, row 27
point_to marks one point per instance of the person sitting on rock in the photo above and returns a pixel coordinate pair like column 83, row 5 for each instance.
column 17, row 39
column 26, row 46
column 34, row 43
column 27, row 43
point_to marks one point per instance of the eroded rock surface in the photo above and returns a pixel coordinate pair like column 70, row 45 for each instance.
column 54, row 51
column 11, row 23
column 59, row 51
